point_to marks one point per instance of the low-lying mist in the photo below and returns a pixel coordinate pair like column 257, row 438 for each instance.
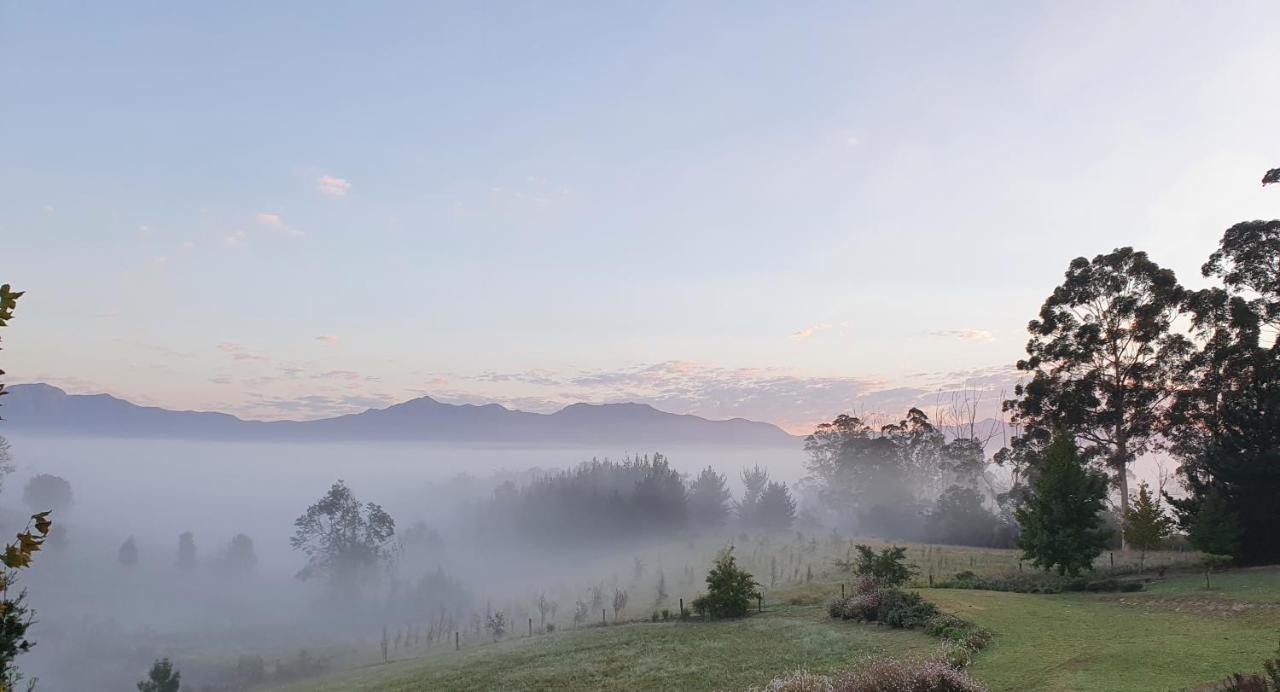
column 114, row 590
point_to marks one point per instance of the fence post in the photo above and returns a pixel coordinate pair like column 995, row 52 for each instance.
column 759, row 603
column 457, row 644
column 681, row 608
column 604, row 617
column 530, row 627
column 841, row 589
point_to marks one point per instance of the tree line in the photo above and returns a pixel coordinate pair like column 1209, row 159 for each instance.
column 604, row 501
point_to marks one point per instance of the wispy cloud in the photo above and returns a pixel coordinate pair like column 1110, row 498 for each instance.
column 238, row 352
column 334, row 187
column 337, row 375
column 329, row 339
column 966, row 334
column 809, row 331
column 276, row 221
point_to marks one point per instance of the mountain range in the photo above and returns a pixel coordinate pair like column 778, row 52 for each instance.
column 43, row 408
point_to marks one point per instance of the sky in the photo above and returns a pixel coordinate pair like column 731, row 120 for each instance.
column 779, row 211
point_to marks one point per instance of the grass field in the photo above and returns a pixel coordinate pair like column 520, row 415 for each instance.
column 1174, row 635
column 724, row 655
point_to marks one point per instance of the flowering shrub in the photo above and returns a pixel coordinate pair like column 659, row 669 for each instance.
column 882, row 675
column 894, row 675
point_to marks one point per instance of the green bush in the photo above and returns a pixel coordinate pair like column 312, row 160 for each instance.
column 730, row 589
column 1037, row 582
column 905, row 609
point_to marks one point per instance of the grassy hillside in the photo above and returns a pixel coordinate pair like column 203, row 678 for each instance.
column 1174, row 635
column 687, row 656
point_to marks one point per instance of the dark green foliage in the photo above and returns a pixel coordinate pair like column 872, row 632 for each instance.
column 709, row 499
column 1146, row 526
column 1213, row 528
column 1224, row 424
column 775, row 511
column 1271, row 176
column 162, row 678
column 1102, row 358
column 887, row 569
column 1036, row 582
column 1062, row 524
column 1246, row 262
column 342, row 538
column 730, row 589
column 904, row 609
column 960, row 517
column 598, row 502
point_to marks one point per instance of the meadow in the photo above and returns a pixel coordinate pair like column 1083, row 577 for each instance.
column 1175, row 634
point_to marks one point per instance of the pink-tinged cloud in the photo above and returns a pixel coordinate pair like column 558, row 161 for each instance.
column 965, row 334
column 329, row 339
column 333, row 187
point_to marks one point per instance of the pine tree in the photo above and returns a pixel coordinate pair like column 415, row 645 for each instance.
column 1062, row 523
column 162, row 678
column 1146, row 525
column 186, row 550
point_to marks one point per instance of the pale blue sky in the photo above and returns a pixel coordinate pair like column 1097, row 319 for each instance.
column 773, row 210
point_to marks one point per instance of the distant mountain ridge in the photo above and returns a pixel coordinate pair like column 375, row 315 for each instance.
column 44, row 408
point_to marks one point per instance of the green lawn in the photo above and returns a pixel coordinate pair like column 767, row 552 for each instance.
column 1174, row 636
column 690, row 656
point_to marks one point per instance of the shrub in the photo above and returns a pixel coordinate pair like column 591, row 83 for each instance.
column 863, row 606
column 835, row 607
column 904, row 609
column 896, row 675
column 1036, row 582
column 958, row 630
column 729, row 589
column 888, row 568
column 161, row 678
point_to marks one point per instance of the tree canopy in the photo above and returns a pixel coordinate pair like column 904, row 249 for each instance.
column 341, row 537
column 1102, row 358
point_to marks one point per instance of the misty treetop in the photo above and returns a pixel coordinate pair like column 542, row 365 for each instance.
column 342, row 538
column 610, row 501
column 885, row 481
